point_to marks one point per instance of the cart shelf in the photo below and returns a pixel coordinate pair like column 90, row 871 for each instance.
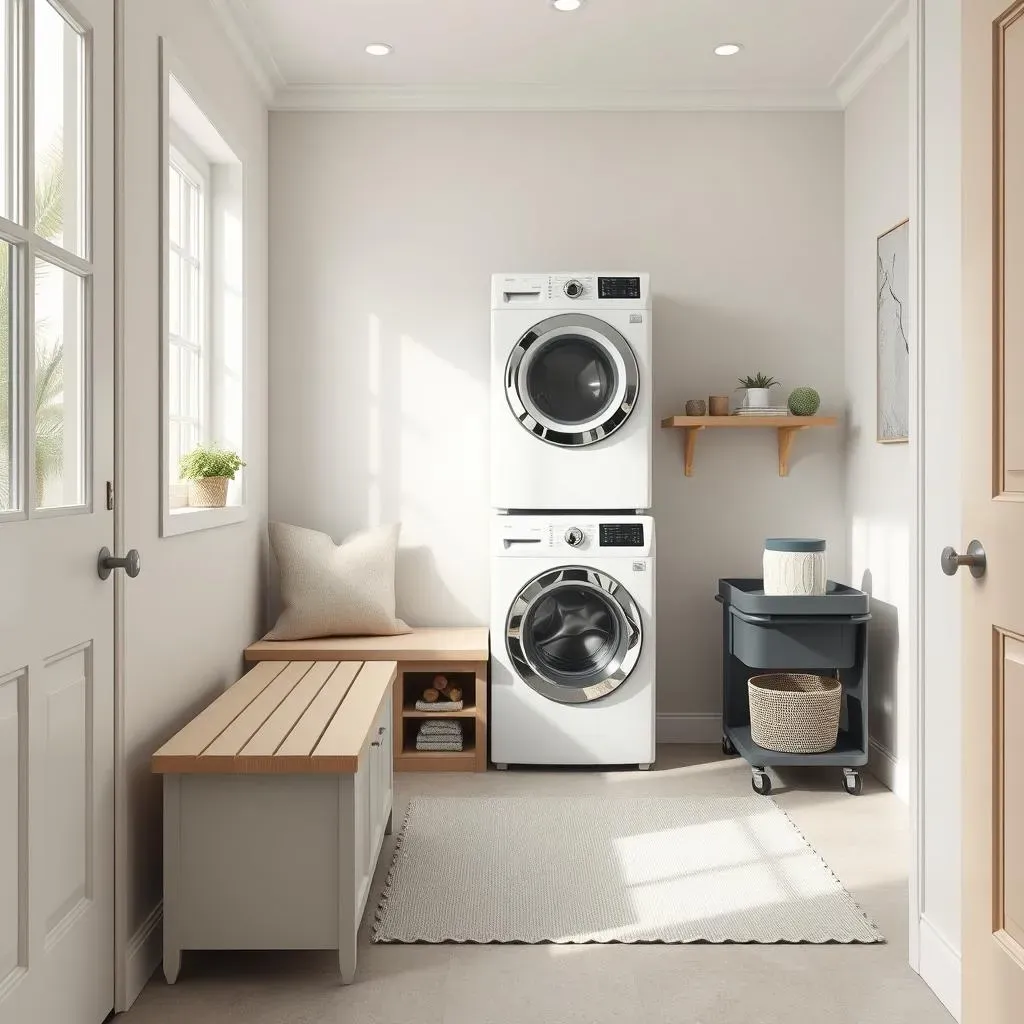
column 826, row 635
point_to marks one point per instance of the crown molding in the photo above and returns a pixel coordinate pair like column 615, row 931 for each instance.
column 240, row 27
column 878, row 47
column 537, row 98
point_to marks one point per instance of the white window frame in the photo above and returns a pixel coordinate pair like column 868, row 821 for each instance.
column 175, row 521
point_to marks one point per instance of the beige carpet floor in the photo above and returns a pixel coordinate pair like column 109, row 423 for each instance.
column 863, row 839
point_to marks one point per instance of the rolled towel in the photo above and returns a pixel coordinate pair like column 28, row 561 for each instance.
column 440, row 705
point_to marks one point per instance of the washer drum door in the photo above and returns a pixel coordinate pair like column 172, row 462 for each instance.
column 574, row 634
column 572, row 380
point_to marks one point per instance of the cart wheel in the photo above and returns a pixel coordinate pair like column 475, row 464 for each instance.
column 727, row 747
column 761, row 782
column 852, row 781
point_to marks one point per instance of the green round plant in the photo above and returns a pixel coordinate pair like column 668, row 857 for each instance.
column 208, row 460
column 804, row 402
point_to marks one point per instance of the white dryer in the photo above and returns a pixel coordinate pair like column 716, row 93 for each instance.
column 572, row 640
column 571, row 404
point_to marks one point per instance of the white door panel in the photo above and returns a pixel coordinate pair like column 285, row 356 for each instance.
column 56, row 616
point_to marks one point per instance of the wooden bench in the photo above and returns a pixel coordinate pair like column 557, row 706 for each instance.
column 277, row 799
column 461, row 653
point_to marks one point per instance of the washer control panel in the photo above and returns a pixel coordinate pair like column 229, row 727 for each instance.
column 621, row 535
column 573, row 536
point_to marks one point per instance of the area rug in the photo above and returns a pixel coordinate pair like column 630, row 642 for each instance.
column 574, row 870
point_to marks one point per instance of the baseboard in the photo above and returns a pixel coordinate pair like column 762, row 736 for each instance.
column 145, row 952
column 678, row 727
column 940, row 966
column 887, row 768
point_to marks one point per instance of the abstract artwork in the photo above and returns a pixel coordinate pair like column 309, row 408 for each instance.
column 893, row 334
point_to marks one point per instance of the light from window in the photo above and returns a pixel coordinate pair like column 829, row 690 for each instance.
column 186, row 310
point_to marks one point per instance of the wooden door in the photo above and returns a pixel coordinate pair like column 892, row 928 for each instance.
column 56, row 455
column 993, row 695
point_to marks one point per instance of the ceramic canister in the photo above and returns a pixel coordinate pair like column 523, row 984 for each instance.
column 794, row 565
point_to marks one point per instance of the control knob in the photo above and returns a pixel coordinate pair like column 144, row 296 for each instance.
column 574, row 288
column 574, row 537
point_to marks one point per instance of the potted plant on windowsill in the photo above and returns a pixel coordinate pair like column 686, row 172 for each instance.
column 758, row 390
column 208, row 469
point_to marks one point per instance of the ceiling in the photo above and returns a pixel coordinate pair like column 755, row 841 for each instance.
column 480, row 53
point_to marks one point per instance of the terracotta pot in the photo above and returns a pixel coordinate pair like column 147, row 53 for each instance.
column 719, row 405
column 208, row 492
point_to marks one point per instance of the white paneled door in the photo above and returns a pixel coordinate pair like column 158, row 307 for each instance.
column 56, row 455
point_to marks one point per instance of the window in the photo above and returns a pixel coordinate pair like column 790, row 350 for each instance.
column 45, row 262
column 187, row 300
column 203, row 310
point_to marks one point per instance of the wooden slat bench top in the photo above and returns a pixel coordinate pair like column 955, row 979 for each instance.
column 282, row 717
column 429, row 644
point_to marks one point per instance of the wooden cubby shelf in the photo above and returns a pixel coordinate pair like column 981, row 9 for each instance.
column 786, row 427
column 413, row 678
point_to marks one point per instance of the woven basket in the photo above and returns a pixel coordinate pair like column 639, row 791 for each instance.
column 208, row 492
column 794, row 713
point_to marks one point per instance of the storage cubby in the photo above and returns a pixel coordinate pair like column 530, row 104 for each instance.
column 413, row 679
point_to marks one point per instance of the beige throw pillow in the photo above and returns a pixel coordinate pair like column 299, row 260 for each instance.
column 330, row 589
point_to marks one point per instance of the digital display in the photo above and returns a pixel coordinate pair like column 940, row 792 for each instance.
column 618, row 287
column 621, row 535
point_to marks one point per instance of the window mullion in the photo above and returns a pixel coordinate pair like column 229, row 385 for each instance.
column 26, row 256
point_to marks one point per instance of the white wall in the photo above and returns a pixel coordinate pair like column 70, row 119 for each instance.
column 940, row 767
column 385, row 229
column 879, row 477
column 198, row 600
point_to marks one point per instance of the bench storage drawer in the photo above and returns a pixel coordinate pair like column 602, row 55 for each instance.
column 277, row 799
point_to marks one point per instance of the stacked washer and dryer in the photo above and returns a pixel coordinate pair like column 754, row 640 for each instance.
column 572, row 566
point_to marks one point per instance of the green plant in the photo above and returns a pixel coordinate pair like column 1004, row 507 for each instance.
column 208, row 460
column 804, row 402
column 48, row 401
column 759, row 380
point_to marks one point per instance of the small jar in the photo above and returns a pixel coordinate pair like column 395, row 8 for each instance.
column 794, row 566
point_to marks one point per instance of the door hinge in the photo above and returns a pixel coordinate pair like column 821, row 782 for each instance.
column 110, row 496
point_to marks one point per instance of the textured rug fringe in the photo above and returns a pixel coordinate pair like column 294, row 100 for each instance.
column 389, row 879
column 825, row 864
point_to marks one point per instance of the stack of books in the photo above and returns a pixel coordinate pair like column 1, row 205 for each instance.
column 774, row 410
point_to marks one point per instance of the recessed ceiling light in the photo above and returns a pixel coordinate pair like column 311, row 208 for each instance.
column 379, row 49
column 567, row 5
column 728, row 49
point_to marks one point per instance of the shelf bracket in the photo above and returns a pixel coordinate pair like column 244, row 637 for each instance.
column 689, row 446
column 786, row 435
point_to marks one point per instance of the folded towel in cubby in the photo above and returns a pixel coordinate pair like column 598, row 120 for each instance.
column 446, row 744
column 440, row 705
column 440, row 729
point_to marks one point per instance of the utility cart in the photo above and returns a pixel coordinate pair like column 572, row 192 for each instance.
column 825, row 635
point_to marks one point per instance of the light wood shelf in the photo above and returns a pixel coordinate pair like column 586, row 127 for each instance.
column 471, row 677
column 786, row 427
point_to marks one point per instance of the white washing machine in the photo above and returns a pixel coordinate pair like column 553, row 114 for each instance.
column 571, row 405
column 572, row 640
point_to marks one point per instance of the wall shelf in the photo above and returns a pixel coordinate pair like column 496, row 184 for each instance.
column 785, row 426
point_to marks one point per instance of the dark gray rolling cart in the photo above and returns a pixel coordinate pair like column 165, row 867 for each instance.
column 825, row 635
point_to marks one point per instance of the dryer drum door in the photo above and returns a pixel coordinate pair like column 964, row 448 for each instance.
column 572, row 380
column 574, row 634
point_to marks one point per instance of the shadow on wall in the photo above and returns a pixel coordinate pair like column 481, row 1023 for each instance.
column 403, row 430
column 714, row 524
column 883, row 674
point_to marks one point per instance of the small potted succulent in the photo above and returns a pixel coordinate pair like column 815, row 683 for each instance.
column 758, row 390
column 208, row 469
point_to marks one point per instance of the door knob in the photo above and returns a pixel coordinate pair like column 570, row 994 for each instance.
column 975, row 559
column 107, row 563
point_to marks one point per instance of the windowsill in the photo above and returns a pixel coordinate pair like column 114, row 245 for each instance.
column 190, row 520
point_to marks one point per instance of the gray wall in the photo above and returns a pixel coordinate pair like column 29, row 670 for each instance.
column 385, row 229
